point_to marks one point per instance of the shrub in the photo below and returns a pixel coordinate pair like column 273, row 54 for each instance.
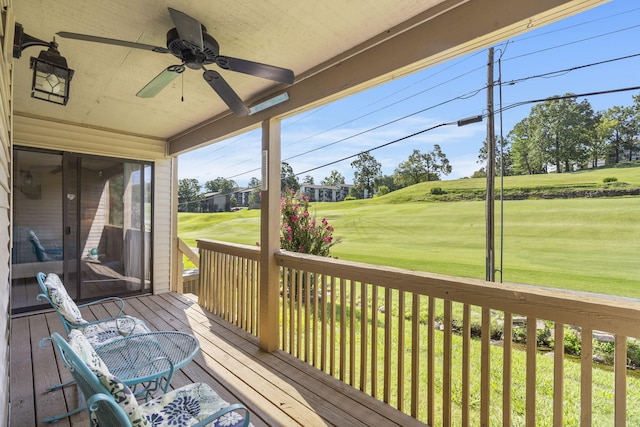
column 437, row 191
column 609, row 179
column 519, row 335
column 572, row 343
column 544, row 337
column 633, row 353
column 300, row 232
column 604, row 351
column 382, row 190
column 349, row 198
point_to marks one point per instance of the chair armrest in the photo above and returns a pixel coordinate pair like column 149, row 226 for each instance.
column 225, row 410
column 95, row 322
column 44, row 296
column 117, row 300
column 92, row 406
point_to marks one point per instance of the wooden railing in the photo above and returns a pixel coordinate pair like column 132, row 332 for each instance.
column 186, row 283
column 406, row 338
column 229, row 282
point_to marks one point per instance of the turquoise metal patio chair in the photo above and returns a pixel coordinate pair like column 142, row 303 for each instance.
column 97, row 332
column 111, row 403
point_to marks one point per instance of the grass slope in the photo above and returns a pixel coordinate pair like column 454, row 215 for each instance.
column 582, row 244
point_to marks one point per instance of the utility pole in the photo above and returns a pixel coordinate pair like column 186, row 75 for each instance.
column 491, row 173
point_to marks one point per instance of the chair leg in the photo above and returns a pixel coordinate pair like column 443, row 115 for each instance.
column 81, row 406
column 59, row 386
column 65, row 415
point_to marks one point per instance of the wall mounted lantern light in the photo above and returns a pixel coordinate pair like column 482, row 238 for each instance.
column 51, row 76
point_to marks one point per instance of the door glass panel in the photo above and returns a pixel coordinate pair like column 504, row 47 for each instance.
column 112, row 237
column 37, row 224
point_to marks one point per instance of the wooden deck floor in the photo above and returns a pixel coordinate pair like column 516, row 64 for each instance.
column 278, row 389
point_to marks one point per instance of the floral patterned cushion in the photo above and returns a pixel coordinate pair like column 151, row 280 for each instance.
column 124, row 397
column 187, row 406
column 61, row 300
column 104, row 332
column 81, row 345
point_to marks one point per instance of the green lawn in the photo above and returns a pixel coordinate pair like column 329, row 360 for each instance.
column 582, row 244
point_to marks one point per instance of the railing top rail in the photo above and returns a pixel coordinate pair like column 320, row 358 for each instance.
column 600, row 312
column 185, row 249
column 244, row 251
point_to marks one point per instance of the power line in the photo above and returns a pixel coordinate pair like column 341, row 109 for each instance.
column 465, row 96
column 550, row 74
column 570, row 96
column 573, row 42
column 568, row 70
column 514, row 105
column 378, row 147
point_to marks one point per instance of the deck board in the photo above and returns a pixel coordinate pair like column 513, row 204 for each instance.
column 278, row 389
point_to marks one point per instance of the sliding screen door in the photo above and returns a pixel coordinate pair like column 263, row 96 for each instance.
column 85, row 218
column 114, row 227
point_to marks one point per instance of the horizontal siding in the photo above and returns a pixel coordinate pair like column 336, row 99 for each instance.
column 39, row 133
column 162, row 219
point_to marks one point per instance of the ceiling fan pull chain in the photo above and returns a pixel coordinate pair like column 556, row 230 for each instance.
column 182, row 97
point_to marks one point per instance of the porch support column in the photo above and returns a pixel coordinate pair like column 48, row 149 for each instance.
column 269, row 236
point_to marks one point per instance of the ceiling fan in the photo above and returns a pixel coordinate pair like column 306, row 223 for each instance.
column 190, row 43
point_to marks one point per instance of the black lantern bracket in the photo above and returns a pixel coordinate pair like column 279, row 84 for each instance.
column 51, row 75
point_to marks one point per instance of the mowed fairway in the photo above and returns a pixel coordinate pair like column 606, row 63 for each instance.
column 582, row 244
column 586, row 244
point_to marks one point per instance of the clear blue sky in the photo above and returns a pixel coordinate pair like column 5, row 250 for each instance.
column 446, row 93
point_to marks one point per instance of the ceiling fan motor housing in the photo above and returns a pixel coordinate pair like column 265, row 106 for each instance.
column 193, row 57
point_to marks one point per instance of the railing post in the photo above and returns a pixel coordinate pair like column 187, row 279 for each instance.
column 269, row 236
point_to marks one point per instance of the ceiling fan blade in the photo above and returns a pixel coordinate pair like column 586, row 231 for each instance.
column 189, row 29
column 160, row 81
column 104, row 40
column 228, row 95
column 271, row 72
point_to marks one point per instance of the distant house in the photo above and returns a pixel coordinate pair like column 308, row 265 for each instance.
column 325, row 193
column 242, row 196
column 217, row 202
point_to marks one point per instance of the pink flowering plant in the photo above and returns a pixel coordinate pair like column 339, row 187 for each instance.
column 300, row 232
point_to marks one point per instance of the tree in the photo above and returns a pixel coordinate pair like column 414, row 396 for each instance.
column 367, row 169
column 561, row 129
column 288, row 179
column 619, row 125
column 421, row 167
column 188, row 195
column 605, row 130
column 528, row 156
column 254, row 198
column 253, row 182
column 506, row 161
column 220, row 185
column 308, row 180
column 411, row 171
column 335, row 178
column 388, row 181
